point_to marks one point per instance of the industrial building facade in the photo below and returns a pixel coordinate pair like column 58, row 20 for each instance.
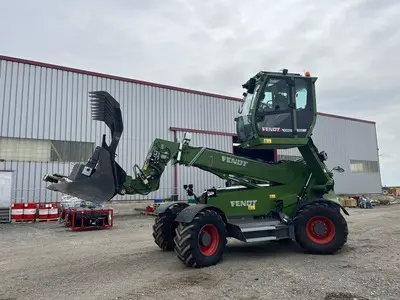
column 46, row 127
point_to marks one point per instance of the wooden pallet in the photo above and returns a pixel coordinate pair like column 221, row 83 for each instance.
column 46, row 220
column 23, row 221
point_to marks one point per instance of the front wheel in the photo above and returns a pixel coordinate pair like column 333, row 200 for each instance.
column 164, row 228
column 202, row 242
column 320, row 228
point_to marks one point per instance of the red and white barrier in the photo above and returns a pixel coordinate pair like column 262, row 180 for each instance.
column 48, row 211
column 44, row 211
column 53, row 211
column 17, row 211
column 30, row 209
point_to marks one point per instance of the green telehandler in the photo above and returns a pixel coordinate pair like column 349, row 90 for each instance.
column 262, row 200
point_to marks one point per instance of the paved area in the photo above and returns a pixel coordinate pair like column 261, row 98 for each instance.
column 47, row 261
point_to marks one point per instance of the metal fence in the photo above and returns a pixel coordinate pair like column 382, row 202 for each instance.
column 46, row 196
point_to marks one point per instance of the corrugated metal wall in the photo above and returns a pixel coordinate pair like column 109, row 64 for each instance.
column 46, row 103
column 344, row 140
column 49, row 104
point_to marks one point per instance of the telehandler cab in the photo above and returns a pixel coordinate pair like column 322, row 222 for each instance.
column 280, row 200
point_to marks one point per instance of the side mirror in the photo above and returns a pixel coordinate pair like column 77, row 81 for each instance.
column 338, row 169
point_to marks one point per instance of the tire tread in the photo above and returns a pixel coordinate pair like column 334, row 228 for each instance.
column 326, row 209
column 186, row 238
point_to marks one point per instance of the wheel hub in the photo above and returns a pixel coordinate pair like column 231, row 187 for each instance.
column 320, row 230
column 205, row 239
column 208, row 240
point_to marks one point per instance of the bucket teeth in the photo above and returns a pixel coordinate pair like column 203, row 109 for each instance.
column 101, row 108
column 105, row 108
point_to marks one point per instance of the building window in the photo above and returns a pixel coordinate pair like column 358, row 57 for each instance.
column 69, row 151
column 364, row 166
column 18, row 149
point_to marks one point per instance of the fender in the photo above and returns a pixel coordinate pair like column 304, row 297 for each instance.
column 175, row 207
column 328, row 202
column 188, row 213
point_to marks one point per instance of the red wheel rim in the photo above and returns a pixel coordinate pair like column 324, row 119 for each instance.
column 327, row 233
column 211, row 247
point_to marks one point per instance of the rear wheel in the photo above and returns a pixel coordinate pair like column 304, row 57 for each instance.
column 164, row 228
column 201, row 243
column 320, row 228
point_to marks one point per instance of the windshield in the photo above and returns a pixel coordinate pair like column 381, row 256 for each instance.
column 245, row 107
column 275, row 96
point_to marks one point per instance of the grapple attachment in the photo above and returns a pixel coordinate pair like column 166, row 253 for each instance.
column 101, row 178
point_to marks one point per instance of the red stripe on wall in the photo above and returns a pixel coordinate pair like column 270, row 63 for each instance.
column 275, row 154
column 345, row 118
column 107, row 76
column 175, row 170
column 178, row 129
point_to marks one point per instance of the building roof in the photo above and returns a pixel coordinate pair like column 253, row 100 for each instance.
column 114, row 77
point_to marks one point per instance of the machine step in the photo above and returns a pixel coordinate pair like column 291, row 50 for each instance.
column 260, row 230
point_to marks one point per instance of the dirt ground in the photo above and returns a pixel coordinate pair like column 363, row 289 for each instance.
column 47, row 261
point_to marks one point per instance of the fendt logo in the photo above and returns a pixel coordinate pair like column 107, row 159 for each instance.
column 245, row 203
column 271, row 129
column 278, row 129
column 234, row 161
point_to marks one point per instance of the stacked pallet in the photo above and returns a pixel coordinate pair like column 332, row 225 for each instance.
column 351, row 202
column 348, row 202
column 5, row 215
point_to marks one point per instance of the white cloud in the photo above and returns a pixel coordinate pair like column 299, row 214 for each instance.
column 216, row 45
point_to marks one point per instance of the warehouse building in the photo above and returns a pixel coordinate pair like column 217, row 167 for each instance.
column 45, row 127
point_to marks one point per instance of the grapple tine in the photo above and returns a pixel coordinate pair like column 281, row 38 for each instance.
column 100, row 107
column 106, row 109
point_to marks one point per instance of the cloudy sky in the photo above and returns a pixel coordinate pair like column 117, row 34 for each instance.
column 215, row 45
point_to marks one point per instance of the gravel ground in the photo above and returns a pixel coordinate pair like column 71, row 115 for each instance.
column 47, row 261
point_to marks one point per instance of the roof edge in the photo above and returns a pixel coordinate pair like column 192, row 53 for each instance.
column 180, row 129
column 114, row 77
column 345, row 118
column 148, row 83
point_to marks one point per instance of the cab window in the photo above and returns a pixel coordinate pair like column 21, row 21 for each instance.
column 275, row 96
column 301, row 93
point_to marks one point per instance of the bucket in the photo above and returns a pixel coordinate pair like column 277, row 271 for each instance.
column 158, row 201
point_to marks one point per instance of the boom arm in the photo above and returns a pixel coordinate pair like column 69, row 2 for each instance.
column 223, row 164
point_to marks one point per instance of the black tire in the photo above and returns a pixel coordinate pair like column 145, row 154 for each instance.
column 333, row 222
column 164, row 229
column 188, row 246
